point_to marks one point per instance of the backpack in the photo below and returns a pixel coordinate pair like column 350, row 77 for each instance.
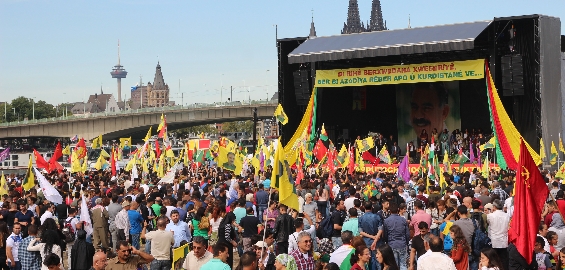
column 480, row 240
column 478, row 216
column 326, row 227
column 68, row 231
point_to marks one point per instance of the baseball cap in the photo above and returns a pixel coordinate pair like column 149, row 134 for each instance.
column 125, row 203
column 261, row 244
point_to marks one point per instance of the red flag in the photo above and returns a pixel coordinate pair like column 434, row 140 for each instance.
column 56, row 155
column 203, row 144
column 81, row 148
column 331, row 185
column 157, row 148
column 529, row 198
column 56, row 166
column 320, row 150
column 372, row 159
column 163, row 127
column 40, row 161
column 351, row 166
column 113, row 163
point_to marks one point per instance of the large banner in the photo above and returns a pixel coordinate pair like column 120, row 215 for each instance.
column 414, row 73
column 423, row 109
column 385, row 168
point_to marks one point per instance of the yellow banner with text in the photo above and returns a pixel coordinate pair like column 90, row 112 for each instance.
column 415, row 73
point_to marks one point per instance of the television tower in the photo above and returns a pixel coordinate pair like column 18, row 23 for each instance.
column 118, row 72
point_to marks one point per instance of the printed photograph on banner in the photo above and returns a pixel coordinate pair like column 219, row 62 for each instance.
column 424, row 109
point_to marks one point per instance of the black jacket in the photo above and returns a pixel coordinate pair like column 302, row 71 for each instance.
column 517, row 262
column 284, row 226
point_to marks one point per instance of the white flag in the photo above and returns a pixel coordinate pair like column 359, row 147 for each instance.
column 85, row 216
column 170, row 175
column 49, row 191
column 134, row 173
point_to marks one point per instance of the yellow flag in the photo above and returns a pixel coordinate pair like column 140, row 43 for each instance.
column 130, row 164
column 67, row 150
column 3, row 185
column 105, row 154
column 365, row 144
column 125, row 142
column 97, row 142
column 360, row 165
column 561, row 172
column 282, row 179
column 84, row 165
column 226, row 160
column 144, row 165
column 490, row 144
column 280, row 115
column 343, row 156
column 29, row 181
column 541, row 149
column 148, row 136
column 553, row 156
column 75, row 163
column 485, row 169
column 561, row 148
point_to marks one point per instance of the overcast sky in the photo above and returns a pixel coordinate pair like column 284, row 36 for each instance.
column 62, row 51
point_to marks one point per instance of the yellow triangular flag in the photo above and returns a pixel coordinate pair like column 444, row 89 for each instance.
column 553, row 156
column 561, row 148
column 67, row 150
column 365, row 144
column 148, row 136
column 280, row 115
column 29, row 181
column 3, row 190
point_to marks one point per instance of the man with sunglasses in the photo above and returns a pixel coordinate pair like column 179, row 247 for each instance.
column 199, row 255
column 303, row 255
column 128, row 258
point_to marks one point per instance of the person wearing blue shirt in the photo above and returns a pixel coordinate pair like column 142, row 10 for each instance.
column 371, row 228
column 135, row 224
column 180, row 229
column 398, row 234
column 221, row 254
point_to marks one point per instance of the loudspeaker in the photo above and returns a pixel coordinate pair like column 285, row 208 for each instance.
column 512, row 75
column 301, row 87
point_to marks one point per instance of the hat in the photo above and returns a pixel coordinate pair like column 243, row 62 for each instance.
column 488, row 206
column 325, row 258
column 125, row 203
column 261, row 244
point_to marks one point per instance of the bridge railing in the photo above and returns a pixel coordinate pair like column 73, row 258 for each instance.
column 143, row 110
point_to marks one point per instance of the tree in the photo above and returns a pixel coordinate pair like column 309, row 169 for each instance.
column 238, row 126
column 206, row 129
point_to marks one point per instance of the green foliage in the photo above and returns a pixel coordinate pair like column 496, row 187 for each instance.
column 206, row 129
column 24, row 108
column 238, row 126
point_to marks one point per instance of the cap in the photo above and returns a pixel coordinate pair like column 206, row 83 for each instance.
column 261, row 244
column 488, row 206
column 125, row 203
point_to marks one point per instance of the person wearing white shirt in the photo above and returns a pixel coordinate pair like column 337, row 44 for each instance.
column 48, row 213
column 435, row 260
column 498, row 222
column 299, row 225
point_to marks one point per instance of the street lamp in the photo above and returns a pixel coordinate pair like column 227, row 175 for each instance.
column 15, row 113
column 33, row 108
column 65, row 114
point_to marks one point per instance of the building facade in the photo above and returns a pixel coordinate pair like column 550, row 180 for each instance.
column 158, row 92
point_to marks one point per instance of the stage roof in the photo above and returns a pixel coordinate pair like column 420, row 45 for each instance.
column 450, row 37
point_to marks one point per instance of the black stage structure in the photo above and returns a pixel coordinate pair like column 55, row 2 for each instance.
column 523, row 52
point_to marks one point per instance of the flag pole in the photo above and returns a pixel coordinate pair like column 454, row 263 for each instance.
column 268, row 203
column 560, row 214
column 558, row 161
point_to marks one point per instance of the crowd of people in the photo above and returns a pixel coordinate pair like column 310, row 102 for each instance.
column 136, row 223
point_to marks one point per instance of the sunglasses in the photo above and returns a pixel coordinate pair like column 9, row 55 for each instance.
column 307, row 241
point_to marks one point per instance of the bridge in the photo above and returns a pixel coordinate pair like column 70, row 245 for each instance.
column 135, row 122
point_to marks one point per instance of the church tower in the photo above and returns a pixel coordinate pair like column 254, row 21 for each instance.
column 158, row 91
column 353, row 24
column 376, row 17
column 312, row 27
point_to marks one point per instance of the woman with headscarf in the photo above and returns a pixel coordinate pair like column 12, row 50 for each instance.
column 48, row 245
column 82, row 252
column 285, row 262
column 227, row 235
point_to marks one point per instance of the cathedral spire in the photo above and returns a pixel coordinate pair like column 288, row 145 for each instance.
column 376, row 17
column 312, row 27
column 353, row 24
